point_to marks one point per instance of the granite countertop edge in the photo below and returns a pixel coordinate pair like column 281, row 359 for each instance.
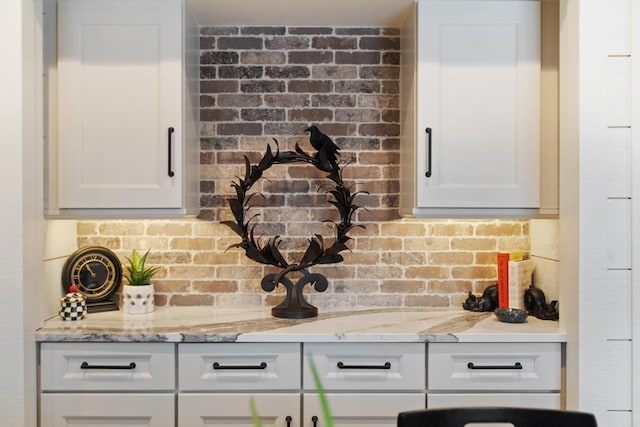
column 215, row 325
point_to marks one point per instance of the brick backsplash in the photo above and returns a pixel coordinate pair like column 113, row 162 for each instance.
column 261, row 83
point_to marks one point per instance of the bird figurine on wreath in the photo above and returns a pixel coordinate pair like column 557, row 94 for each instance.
column 318, row 251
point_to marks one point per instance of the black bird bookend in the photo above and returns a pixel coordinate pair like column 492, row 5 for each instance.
column 536, row 305
column 327, row 149
column 487, row 302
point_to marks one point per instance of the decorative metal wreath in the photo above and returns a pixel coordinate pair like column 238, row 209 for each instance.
column 294, row 304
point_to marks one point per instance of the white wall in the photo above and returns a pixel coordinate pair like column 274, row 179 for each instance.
column 21, row 223
column 12, row 390
column 583, row 202
column 545, row 251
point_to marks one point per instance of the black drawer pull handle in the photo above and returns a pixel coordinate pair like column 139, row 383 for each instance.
column 85, row 365
column 516, row 365
column 288, row 419
column 216, row 365
column 170, row 162
column 314, row 420
column 428, row 172
column 387, row 365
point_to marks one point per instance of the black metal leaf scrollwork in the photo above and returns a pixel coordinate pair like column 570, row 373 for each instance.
column 318, row 251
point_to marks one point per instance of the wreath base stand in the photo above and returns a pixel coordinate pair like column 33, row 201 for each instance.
column 294, row 305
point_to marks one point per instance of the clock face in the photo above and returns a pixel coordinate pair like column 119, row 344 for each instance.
column 95, row 270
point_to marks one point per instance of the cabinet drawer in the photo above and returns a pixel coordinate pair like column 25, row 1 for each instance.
column 494, row 366
column 107, row 366
column 239, row 366
column 366, row 366
column 522, row 400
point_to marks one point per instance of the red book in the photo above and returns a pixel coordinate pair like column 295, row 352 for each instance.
column 503, row 279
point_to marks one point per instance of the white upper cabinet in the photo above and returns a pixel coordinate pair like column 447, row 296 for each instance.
column 127, row 91
column 471, row 109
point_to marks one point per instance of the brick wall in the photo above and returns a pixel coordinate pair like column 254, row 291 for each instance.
column 261, row 83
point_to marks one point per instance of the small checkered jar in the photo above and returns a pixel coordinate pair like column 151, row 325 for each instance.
column 73, row 306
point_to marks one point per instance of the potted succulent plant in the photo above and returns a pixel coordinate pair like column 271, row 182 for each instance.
column 137, row 293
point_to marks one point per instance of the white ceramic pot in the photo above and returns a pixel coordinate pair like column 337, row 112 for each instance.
column 137, row 299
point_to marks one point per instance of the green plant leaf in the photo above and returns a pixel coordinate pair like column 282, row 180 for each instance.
column 324, row 403
column 138, row 275
column 254, row 413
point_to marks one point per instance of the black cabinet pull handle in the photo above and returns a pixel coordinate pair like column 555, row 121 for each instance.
column 288, row 420
column 85, row 365
column 262, row 365
column 170, row 163
column 428, row 173
column 314, row 420
column 516, row 365
column 387, row 365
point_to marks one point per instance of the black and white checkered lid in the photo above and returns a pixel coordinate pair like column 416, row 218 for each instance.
column 73, row 306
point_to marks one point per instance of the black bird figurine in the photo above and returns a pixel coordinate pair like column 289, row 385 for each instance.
column 327, row 149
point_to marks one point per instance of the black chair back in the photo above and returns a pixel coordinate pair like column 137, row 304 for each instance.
column 519, row 417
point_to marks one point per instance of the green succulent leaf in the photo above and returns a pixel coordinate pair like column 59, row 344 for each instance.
column 137, row 273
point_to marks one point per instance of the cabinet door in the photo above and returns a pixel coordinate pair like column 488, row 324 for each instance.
column 479, row 94
column 105, row 410
column 274, row 410
column 523, row 400
column 361, row 410
column 119, row 93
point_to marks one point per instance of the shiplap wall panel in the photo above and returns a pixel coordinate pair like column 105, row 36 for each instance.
column 619, row 361
column 620, row 223
column 619, row 304
column 619, row 162
column 619, row 233
column 618, row 27
column 618, row 91
column 634, row 13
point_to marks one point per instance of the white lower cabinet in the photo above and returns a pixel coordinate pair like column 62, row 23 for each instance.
column 366, row 384
column 107, row 409
column 359, row 409
column 107, row 384
column 524, row 400
column 494, row 374
column 217, row 382
column 226, row 409
column 213, row 384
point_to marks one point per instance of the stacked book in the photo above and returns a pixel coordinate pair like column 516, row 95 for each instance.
column 515, row 275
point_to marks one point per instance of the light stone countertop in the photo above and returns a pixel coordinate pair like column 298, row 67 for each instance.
column 211, row 324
